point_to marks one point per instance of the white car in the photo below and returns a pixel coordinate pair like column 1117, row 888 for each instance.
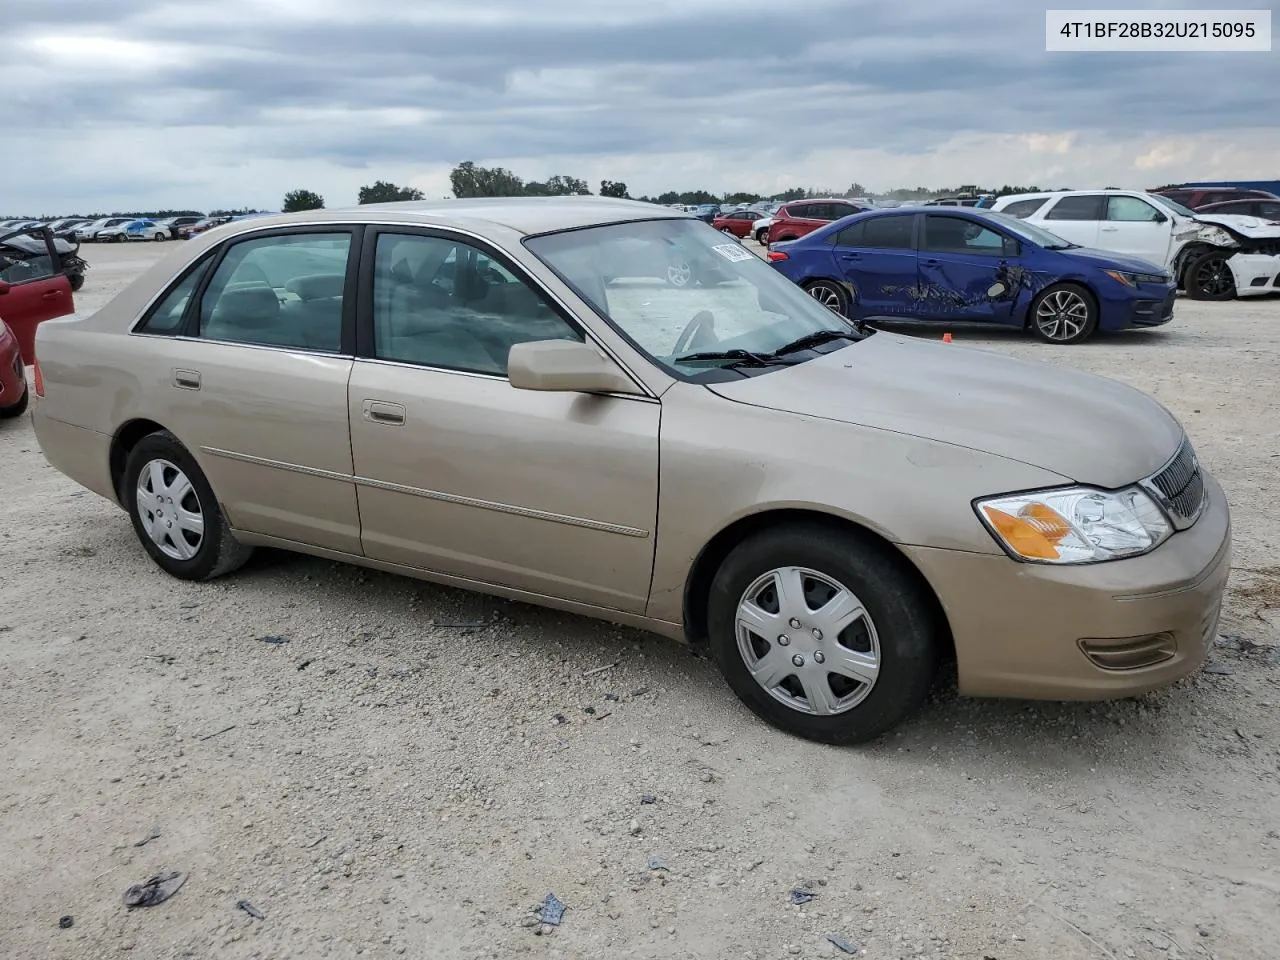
column 1212, row 256
column 90, row 231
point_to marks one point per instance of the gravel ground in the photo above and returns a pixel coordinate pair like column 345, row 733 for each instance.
column 393, row 781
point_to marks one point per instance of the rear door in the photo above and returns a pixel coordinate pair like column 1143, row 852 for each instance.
column 250, row 354
column 961, row 261
column 1076, row 217
column 877, row 255
column 1136, row 228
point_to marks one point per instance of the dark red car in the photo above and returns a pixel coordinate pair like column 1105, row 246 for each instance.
column 1266, row 209
column 1197, row 197
column 738, row 222
column 31, row 291
column 799, row 217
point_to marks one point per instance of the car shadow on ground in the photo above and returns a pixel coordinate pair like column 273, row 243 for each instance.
column 1033, row 734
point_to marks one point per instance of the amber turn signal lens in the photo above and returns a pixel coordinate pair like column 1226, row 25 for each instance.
column 1034, row 533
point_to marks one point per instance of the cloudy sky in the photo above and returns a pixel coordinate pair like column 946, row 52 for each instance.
column 136, row 104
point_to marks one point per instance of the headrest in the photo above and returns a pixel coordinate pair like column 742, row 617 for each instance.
column 317, row 286
column 248, row 306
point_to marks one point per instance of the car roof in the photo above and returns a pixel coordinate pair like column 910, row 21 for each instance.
column 527, row 215
column 1047, row 194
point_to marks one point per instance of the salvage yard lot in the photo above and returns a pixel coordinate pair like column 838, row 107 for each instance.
column 393, row 781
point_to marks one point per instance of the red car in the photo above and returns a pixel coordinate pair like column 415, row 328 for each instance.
column 737, row 222
column 1197, row 197
column 30, row 293
column 799, row 217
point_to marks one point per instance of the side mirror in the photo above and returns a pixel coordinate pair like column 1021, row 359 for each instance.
column 565, row 366
column 1160, row 217
column 4, row 287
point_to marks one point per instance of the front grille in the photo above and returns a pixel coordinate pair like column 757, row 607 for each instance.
column 1180, row 486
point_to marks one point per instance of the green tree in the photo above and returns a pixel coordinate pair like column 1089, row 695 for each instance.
column 741, row 197
column 296, row 200
column 469, row 180
column 610, row 188
column 558, row 186
column 383, row 192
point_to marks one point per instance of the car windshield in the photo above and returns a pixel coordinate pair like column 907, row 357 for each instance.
column 677, row 288
column 1029, row 231
column 1173, row 205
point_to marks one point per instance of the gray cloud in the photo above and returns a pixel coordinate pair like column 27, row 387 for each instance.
column 527, row 80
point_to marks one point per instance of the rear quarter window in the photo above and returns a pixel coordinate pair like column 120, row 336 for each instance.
column 1023, row 208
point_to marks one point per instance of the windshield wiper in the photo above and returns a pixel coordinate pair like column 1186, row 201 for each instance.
column 737, row 357
column 816, row 338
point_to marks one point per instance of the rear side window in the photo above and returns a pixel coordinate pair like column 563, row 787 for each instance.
column 1087, row 207
column 1269, row 208
column 1023, row 208
column 888, row 233
column 285, row 290
column 167, row 315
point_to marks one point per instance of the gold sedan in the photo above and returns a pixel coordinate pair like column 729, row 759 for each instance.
column 610, row 408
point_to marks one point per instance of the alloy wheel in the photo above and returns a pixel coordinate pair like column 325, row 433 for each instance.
column 170, row 510
column 1214, row 277
column 808, row 641
column 1062, row 315
column 826, row 295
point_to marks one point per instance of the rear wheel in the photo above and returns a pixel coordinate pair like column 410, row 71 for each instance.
column 175, row 513
column 160, row 236
column 762, row 237
column 822, row 634
column 1064, row 313
column 1209, row 278
column 830, row 294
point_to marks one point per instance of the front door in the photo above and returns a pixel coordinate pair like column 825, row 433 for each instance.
column 1136, row 228
column 961, row 264
column 252, row 352
column 877, row 256
column 459, row 472
column 33, row 289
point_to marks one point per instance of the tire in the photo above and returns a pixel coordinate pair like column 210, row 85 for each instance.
column 160, row 236
column 762, row 237
column 216, row 551
column 19, row 408
column 830, row 294
column 1070, row 314
column 898, row 627
column 1209, row 278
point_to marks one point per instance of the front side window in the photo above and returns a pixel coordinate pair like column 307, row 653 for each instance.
column 284, row 290
column 956, row 235
column 442, row 303
column 1130, row 210
column 696, row 305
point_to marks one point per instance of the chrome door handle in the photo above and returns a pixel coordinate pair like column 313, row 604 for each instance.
column 186, row 379
column 380, row 411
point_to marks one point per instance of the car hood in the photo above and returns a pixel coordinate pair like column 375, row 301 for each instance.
column 1082, row 427
column 1253, row 227
column 1109, row 260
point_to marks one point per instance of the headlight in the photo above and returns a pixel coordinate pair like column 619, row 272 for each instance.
column 1133, row 279
column 1217, row 236
column 1075, row 524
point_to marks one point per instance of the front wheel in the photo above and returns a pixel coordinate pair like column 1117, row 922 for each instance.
column 822, row 634
column 175, row 513
column 1064, row 313
column 160, row 236
column 1209, row 278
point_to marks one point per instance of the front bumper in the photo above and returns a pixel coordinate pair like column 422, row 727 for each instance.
column 1255, row 273
column 1040, row 632
column 1155, row 306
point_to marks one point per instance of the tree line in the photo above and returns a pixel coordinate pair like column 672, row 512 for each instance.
column 469, row 179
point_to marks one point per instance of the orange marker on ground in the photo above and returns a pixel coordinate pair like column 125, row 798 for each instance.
column 946, row 338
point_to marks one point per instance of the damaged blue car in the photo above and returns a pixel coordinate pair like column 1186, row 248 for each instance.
column 974, row 266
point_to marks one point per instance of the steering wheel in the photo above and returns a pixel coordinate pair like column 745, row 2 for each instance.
column 698, row 332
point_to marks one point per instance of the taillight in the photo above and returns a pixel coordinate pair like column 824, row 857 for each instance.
column 776, row 255
column 39, row 378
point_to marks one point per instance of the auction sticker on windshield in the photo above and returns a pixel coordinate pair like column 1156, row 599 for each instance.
column 1157, row 31
column 733, row 252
